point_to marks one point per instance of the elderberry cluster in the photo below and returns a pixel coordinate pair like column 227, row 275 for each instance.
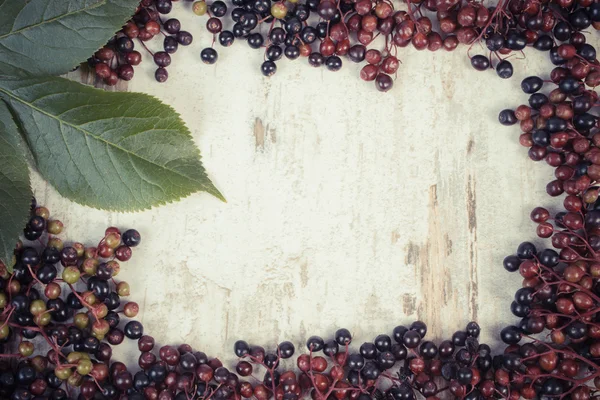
column 325, row 32
column 399, row 366
column 118, row 57
column 515, row 25
column 560, row 300
column 559, row 123
column 60, row 313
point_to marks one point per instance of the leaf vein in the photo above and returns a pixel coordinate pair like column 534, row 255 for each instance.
column 57, row 18
column 86, row 132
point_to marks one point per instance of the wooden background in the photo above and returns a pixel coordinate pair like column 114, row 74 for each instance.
column 346, row 207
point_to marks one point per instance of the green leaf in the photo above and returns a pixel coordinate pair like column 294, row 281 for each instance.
column 109, row 150
column 51, row 37
column 15, row 190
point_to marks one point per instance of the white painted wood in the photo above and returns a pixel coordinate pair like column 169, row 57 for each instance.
column 346, row 207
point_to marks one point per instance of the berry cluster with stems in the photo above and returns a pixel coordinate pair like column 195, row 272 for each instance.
column 325, row 32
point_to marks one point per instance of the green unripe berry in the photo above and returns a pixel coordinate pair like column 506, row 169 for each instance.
column 57, row 243
column 90, row 266
column 100, row 327
column 42, row 319
column 54, row 227
column 4, row 331
column 3, row 300
column 123, row 289
column 62, row 372
column 42, row 212
column 26, row 349
column 81, row 320
column 279, row 10
column 84, row 367
column 89, row 298
column 37, row 307
column 199, row 7
column 74, row 356
column 113, row 240
column 75, row 380
column 71, row 275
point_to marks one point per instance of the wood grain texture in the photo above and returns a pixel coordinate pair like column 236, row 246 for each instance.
column 346, row 207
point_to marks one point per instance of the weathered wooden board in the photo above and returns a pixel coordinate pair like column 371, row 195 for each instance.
column 346, row 207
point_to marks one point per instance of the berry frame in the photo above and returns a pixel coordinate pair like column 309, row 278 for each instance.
column 560, row 297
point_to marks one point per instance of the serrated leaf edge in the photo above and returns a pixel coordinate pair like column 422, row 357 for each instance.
column 9, row 264
column 211, row 189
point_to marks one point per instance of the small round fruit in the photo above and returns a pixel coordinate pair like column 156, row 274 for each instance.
column 209, row 55
column 480, row 63
column 504, row 69
column 268, row 68
column 71, row 274
column 199, row 7
column 384, row 82
column 55, row 227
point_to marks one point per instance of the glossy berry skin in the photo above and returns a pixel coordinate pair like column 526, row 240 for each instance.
column 125, row 45
column 172, row 26
column 516, row 41
column 383, row 82
column 428, row 350
column 274, row 52
column 507, row 117
column 255, row 40
column 241, row 348
column 316, row 59
column 356, row 362
column 333, row 63
column 411, row 339
column 133, row 330
column 131, row 238
column 526, row 250
column 512, row 263
column 209, row 55
column 161, row 75
column 511, row 335
column 343, row 337
column 226, row 38
column 331, row 348
column 268, row 68
column 286, row 349
column 292, row 52
column 495, row 42
column 532, row 84
column 543, row 43
column 184, row 38
column 315, row 343
column 383, row 343
column 504, row 69
column 164, row 6
column 420, row 327
column 218, row 8
column 480, row 63
column 170, row 44
column 162, row 59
